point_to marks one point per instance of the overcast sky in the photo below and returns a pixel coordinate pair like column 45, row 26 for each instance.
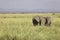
column 29, row 5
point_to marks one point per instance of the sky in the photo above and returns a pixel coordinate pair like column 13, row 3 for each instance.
column 30, row 5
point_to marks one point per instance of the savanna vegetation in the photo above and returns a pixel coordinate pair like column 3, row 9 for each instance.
column 20, row 27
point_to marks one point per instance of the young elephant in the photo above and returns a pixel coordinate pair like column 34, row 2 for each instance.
column 48, row 21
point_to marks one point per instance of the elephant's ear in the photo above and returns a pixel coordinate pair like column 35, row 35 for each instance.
column 34, row 21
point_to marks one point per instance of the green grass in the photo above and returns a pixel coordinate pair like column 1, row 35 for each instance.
column 20, row 27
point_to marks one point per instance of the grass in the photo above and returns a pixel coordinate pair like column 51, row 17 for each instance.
column 20, row 27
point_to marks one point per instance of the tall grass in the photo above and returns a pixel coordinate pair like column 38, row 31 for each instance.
column 20, row 27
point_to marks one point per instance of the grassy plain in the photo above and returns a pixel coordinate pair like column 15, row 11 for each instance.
column 20, row 27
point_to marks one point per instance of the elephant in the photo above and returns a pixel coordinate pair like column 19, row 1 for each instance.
column 42, row 20
column 35, row 20
column 48, row 21
column 38, row 20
